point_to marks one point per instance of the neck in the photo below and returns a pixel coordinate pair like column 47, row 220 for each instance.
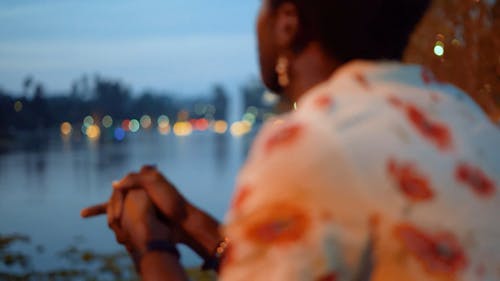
column 308, row 69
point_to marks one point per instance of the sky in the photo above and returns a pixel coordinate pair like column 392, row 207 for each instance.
column 167, row 45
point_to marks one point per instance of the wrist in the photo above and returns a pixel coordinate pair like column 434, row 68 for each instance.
column 202, row 231
column 144, row 237
column 154, row 247
column 213, row 262
column 161, row 266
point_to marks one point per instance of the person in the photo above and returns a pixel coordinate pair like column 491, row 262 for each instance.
column 381, row 173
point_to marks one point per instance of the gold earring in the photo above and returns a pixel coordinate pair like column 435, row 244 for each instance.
column 282, row 71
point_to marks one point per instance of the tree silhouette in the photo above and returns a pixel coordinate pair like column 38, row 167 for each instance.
column 39, row 107
column 27, row 83
column 110, row 97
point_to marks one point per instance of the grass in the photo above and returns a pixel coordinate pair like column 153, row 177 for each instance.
column 79, row 264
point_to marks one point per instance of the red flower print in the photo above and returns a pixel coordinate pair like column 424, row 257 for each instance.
column 395, row 101
column 374, row 220
column 476, row 179
column 279, row 224
column 285, row 135
column 330, row 277
column 240, row 197
column 410, row 181
column 323, row 102
column 427, row 76
column 436, row 132
column 439, row 254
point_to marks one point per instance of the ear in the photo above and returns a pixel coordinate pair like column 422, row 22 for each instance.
column 286, row 25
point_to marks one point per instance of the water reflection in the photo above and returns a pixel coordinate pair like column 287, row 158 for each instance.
column 43, row 188
column 221, row 150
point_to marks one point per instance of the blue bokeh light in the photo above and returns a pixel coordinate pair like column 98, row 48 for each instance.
column 119, row 134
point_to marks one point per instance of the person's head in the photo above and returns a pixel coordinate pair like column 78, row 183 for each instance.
column 343, row 30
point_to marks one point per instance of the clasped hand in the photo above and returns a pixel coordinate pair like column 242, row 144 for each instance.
column 146, row 207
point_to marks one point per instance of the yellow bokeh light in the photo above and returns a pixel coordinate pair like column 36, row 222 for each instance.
column 107, row 121
column 220, row 127
column 240, row 128
column 146, row 122
column 93, row 132
column 66, row 129
column 18, row 106
column 183, row 129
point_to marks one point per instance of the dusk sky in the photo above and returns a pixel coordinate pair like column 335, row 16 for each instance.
column 177, row 45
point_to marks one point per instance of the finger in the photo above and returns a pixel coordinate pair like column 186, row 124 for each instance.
column 120, row 236
column 163, row 194
column 130, row 181
column 93, row 211
column 113, row 222
column 117, row 208
column 109, row 214
column 147, row 168
column 112, row 206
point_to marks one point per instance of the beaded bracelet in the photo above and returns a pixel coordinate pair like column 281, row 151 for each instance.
column 213, row 262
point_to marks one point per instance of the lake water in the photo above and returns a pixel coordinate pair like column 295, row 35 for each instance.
column 42, row 189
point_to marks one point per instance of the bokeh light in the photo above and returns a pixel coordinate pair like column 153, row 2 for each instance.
column 88, row 121
column 163, row 125
column 107, row 121
column 249, row 117
column 134, row 125
column 93, row 132
column 125, row 125
column 164, row 129
column 240, row 128
column 439, row 48
column 119, row 134
column 220, row 127
column 183, row 129
column 66, row 129
column 146, row 122
column 269, row 98
column 201, row 124
column 18, row 106
column 252, row 109
column 163, row 119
